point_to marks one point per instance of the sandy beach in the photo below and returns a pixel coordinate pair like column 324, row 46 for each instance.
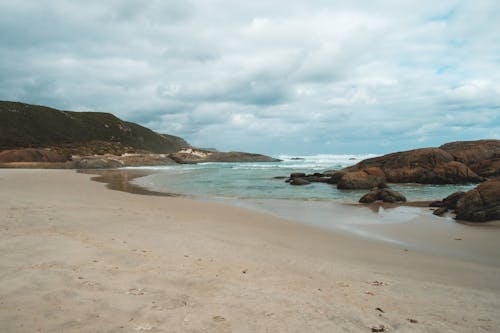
column 78, row 257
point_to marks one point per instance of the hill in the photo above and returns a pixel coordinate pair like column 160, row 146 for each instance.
column 25, row 125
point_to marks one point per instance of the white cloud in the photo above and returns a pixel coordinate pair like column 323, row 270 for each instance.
column 311, row 76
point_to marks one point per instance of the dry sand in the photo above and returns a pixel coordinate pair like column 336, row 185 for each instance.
column 77, row 257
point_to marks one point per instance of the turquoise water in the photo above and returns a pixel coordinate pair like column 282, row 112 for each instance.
column 256, row 180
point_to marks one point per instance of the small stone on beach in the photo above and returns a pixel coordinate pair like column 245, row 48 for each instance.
column 379, row 328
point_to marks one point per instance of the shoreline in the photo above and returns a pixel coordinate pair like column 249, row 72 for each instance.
column 79, row 257
column 408, row 225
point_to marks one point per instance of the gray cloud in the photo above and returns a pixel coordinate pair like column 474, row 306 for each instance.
column 308, row 77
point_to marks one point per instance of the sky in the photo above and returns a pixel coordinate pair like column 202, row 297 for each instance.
column 296, row 77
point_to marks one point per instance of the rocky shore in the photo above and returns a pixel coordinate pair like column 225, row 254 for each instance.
column 461, row 162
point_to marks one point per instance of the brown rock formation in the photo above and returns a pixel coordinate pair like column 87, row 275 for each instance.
column 480, row 204
column 31, row 155
column 425, row 166
column 384, row 194
column 362, row 179
column 193, row 156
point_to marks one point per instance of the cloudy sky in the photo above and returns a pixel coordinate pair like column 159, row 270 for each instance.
column 266, row 76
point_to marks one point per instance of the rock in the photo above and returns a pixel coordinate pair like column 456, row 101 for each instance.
column 424, row 166
column 448, row 203
column 370, row 197
column 144, row 159
column 32, row 155
column 451, row 201
column 471, row 152
column 193, row 156
column 335, row 177
column 480, row 204
column 384, row 194
column 359, row 180
column 450, row 173
column 299, row 181
column 487, row 168
column 96, row 162
column 297, row 175
column 440, row 211
column 388, row 195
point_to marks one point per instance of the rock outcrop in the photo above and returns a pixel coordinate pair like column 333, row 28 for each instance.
column 383, row 194
column 32, row 155
column 424, row 166
column 193, row 156
column 480, row 204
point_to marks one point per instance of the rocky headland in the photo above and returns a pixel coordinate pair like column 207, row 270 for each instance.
column 33, row 136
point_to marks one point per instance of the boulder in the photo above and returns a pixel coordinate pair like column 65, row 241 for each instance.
column 480, row 204
column 297, row 175
column 299, row 181
column 384, row 194
column 359, row 180
column 448, row 203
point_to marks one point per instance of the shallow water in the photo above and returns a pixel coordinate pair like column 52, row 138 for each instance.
column 256, row 180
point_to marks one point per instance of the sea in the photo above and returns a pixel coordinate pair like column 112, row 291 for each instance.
column 261, row 180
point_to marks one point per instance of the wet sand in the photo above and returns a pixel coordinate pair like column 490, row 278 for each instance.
column 77, row 257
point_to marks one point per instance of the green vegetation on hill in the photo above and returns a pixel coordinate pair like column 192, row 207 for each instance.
column 26, row 125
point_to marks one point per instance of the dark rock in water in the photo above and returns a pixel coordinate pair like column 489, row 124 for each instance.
column 364, row 179
column 335, row 177
column 370, row 197
column 480, row 204
column 384, row 194
column 280, row 177
column 388, row 195
column 297, row 175
column 297, row 159
column 352, row 159
column 299, row 181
